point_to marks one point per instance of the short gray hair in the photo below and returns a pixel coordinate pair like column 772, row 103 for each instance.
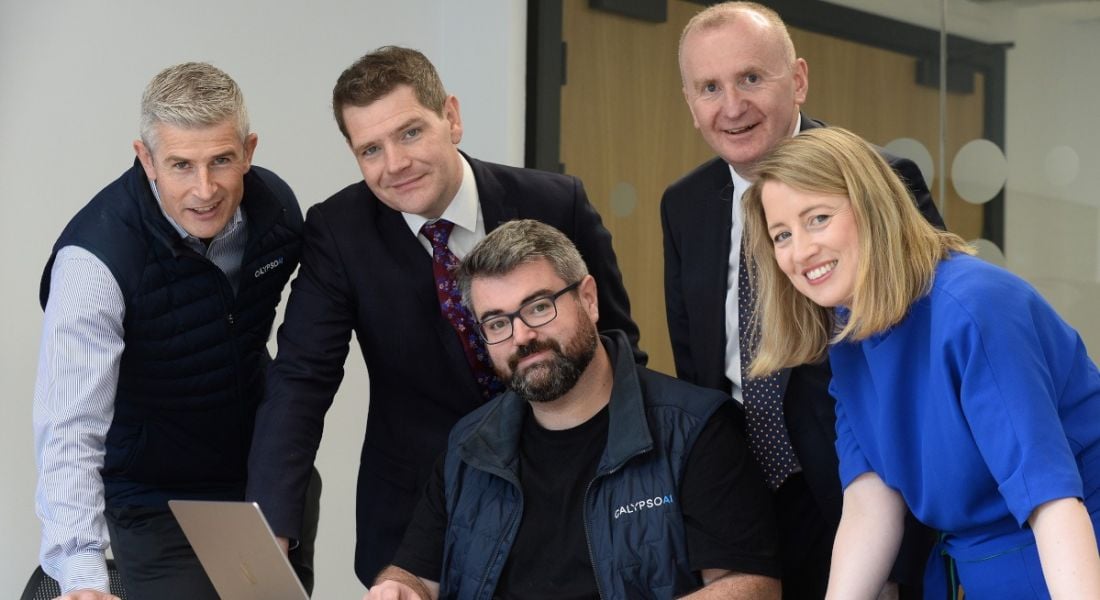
column 192, row 95
column 515, row 243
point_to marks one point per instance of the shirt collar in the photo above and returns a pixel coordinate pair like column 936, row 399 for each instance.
column 462, row 211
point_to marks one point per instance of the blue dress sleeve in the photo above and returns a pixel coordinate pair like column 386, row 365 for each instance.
column 1010, row 358
column 853, row 462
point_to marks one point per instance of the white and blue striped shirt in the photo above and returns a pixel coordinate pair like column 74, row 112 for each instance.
column 78, row 362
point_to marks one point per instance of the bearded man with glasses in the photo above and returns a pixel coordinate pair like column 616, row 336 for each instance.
column 591, row 476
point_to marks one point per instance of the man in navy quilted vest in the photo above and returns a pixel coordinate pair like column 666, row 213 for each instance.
column 591, row 476
column 159, row 298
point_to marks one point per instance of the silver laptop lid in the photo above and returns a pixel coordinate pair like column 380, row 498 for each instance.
column 238, row 550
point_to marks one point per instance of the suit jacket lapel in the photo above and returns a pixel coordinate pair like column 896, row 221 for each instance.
column 718, row 265
column 411, row 258
column 808, row 123
column 716, row 204
column 495, row 206
column 408, row 255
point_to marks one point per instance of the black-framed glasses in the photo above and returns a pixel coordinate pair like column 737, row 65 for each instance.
column 535, row 313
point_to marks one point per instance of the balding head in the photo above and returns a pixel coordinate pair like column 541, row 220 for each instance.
column 742, row 80
column 766, row 19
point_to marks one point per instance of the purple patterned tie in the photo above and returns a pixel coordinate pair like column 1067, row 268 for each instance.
column 766, row 428
column 444, row 263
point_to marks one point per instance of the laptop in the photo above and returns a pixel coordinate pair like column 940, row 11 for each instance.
column 238, row 550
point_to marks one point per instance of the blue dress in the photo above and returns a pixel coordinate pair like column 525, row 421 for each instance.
column 981, row 405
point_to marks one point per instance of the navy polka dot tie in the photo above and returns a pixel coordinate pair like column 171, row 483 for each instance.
column 763, row 399
column 444, row 263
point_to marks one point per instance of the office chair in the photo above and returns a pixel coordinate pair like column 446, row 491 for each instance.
column 43, row 587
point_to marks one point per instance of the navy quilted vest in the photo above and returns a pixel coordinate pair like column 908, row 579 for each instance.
column 191, row 374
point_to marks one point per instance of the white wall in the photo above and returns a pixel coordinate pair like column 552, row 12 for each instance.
column 71, row 76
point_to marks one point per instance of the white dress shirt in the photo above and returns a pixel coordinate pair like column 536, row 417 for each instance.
column 464, row 211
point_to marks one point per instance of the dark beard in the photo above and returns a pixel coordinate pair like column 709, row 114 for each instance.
column 551, row 379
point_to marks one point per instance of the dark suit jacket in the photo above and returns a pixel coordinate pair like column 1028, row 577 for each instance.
column 363, row 270
column 696, row 214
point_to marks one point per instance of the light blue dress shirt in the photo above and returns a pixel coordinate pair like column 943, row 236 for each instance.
column 78, row 362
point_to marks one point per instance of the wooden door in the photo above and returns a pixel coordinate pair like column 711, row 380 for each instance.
column 626, row 131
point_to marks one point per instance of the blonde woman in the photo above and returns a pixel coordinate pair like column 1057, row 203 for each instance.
column 960, row 393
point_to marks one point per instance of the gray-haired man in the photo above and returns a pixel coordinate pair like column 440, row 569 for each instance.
column 159, row 297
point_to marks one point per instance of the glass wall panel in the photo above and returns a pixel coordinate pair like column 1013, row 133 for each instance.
column 1047, row 167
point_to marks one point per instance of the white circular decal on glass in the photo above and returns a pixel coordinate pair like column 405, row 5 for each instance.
column 979, row 171
column 988, row 251
column 916, row 152
column 624, row 199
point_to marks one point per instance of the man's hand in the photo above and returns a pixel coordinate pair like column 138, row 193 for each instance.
column 87, row 595
column 392, row 590
column 729, row 585
column 395, row 583
column 284, row 543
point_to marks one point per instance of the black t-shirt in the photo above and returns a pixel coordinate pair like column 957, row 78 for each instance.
column 549, row 558
column 727, row 512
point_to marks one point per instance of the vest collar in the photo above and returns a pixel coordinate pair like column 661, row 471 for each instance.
column 139, row 187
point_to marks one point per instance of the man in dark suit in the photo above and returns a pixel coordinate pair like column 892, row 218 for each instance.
column 376, row 260
column 744, row 85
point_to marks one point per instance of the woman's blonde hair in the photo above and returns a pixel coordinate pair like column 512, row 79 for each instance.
column 898, row 248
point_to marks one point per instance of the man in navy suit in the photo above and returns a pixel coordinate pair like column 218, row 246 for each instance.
column 376, row 261
column 744, row 86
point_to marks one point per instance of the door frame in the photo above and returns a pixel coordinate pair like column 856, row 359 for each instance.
column 547, row 71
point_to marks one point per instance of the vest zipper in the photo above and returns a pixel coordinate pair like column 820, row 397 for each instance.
column 500, row 542
column 225, row 287
column 587, row 532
